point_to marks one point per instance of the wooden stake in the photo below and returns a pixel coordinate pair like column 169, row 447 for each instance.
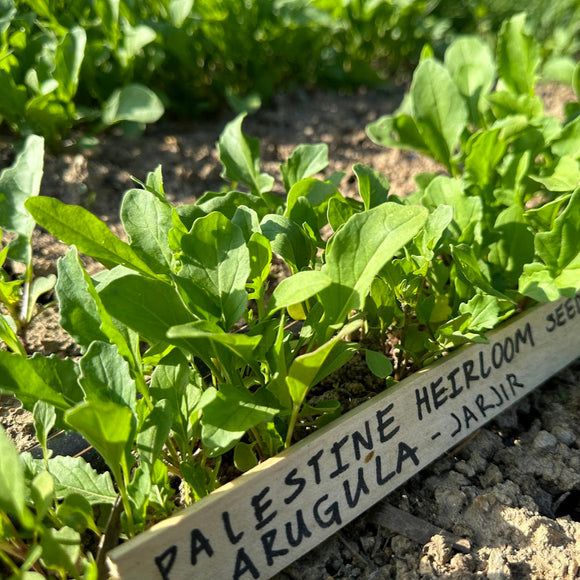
column 261, row 522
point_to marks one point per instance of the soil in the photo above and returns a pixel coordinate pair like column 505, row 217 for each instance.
column 512, row 492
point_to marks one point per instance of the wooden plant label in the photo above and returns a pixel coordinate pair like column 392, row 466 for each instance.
column 263, row 521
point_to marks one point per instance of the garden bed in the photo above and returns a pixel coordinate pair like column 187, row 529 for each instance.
column 522, row 496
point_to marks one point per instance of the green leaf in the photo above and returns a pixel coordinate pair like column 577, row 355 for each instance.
column 179, row 10
column 361, row 248
column 76, row 513
column 200, row 340
column 148, row 306
column 429, row 237
column 44, row 420
column 318, row 193
column 109, row 428
column 74, row 225
column 134, row 103
column 559, row 247
column 8, row 13
column 240, row 156
column 308, row 369
column 19, row 377
column 105, row 375
column 485, row 151
column 13, row 98
column 400, row 132
column 12, row 482
column 79, row 314
column 244, row 456
column 468, row 266
column 75, row 475
column 518, row 56
column 467, row 210
column 378, row 363
column 484, row 311
column 9, row 336
column 339, row 212
column 288, row 240
column 147, row 221
column 298, row 288
column 565, row 176
column 154, row 432
column 61, row 549
column 68, row 59
column 438, row 109
column 19, row 183
column 305, row 161
column 373, row 186
column 515, row 245
column 231, row 414
column 216, row 259
column 568, row 144
column 471, row 65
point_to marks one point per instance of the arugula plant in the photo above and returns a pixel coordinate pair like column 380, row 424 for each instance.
column 187, row 355
column 19, row 295
column 502, row 224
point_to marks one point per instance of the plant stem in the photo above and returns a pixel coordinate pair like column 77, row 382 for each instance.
column 291, row 425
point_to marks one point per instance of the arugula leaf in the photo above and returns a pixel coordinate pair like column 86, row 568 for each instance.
column 472, row 68
column 305, row 161
column 438, row 108
column 360, row 249
column 298, row 288
column 12, row 483
column 147, row 221
column 288, row 240
column 148, row 306
column 19, row 183
column 233, row 411
column 518, row 56
column 216, row 260
column 373, row 186
column 105, row 375
column 75, row 225
column 240, row 156
column 135, row 103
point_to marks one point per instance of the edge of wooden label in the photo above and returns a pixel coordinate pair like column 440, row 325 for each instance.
column 264, row 520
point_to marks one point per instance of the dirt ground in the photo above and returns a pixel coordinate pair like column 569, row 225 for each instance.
column 512, row 493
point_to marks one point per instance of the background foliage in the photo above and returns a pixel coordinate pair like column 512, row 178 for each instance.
column 120, row 61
